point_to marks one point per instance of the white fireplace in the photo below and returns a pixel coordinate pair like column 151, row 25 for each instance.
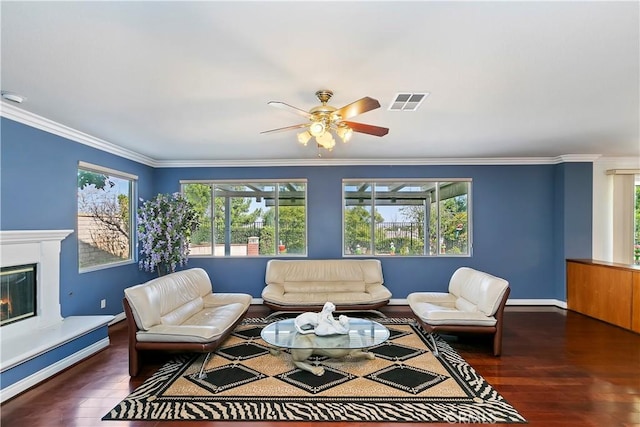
column 35, row 336
column 40, row 247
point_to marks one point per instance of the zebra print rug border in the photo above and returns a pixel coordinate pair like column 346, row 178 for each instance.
column 481, row 403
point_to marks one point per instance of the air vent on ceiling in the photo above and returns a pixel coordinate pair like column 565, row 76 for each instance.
column 407, row 101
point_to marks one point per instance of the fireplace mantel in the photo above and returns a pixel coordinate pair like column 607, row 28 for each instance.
column 41, row 247
column 9, row 237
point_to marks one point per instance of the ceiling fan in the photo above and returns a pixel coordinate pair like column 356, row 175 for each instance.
column 325, row 120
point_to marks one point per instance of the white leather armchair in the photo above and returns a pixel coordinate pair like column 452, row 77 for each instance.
column 474, row 303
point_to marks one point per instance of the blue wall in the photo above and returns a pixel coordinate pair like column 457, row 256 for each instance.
column 526, row 219
column 38, row 191
column 573, row 216
column 517, row 214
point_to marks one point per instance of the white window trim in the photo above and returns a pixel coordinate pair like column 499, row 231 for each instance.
column 243, row 181
column 133, row 240
column 376, row 181
column 624, row 187
column 106, row 171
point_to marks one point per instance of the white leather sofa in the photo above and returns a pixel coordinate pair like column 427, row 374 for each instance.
column 301, row 285
column 474, row 303
column 180, row 312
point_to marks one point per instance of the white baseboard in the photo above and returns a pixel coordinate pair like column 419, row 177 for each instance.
column 28, row 382
column 538, row 302
column 118, row 318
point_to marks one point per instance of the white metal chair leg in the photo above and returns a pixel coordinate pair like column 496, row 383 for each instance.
column 204, row 362
column 436, row 353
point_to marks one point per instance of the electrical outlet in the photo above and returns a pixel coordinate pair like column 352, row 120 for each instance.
column 103, row 303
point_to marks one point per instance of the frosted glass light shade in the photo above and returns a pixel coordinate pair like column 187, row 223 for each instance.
column 304, row 137
column 326, row 140
column 345, row 133
column 316, row 129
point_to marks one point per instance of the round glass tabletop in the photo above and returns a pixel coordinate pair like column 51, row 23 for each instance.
column 363, row 333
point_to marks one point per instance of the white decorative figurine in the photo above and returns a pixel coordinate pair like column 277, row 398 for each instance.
column 322, row 323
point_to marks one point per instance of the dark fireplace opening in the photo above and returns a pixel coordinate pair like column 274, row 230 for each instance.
column 17, row 293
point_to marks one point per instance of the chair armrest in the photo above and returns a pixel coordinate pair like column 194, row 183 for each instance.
column 378, row 292
column 218, row 299
column 439, row 298
column 273, row 292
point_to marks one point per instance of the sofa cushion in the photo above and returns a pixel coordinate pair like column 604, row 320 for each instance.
column 480, row 291
column 183, row 313
column 434, row 314
column 307, row 298
column 464, row 304
column 330, row 270
column 324, row 287
column 205, row 326
column 162, row 299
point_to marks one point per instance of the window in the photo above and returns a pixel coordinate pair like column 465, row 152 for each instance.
column 625, row 219
column 257, row 218
column 636, row 236
column 407, row 217
column 105, row 217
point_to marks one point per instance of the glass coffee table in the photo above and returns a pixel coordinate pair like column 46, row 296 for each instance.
column 363, row 334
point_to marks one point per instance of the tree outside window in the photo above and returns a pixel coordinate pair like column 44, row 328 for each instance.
column 104, row 217
column 257, row 218
column 406, row 217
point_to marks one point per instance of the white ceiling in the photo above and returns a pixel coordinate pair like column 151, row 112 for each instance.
column 190, row 81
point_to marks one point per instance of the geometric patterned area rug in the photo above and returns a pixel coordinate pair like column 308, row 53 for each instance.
column 245, row 382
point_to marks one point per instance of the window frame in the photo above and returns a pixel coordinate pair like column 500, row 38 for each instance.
column 374, row 182
column 636, row 218
column 133, row 242
column 277, row 183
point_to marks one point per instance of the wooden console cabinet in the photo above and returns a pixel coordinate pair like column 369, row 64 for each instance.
column 605, row 290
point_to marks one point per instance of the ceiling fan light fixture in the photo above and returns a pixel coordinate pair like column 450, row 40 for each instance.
column 326, row 141
column 327, row 123
column 317, row 128
column 304, row 137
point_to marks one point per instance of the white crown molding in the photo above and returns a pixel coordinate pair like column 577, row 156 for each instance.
column 30, row 119
column 619, row 162
column 577, row 158
column 569, row 158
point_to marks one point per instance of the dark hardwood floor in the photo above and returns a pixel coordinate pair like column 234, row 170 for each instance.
column 558, row 369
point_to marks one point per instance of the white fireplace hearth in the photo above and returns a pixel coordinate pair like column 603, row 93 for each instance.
column 29, row 338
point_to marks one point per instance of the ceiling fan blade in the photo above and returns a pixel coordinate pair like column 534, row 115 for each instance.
column 290, row 108
column 286, row 128
column 369, row 129
column 358, row 107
